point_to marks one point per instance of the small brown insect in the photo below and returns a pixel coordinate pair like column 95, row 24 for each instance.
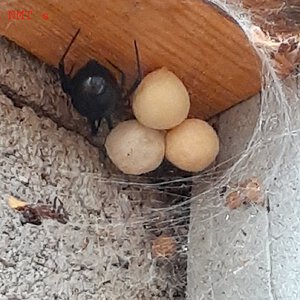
column 35, row 213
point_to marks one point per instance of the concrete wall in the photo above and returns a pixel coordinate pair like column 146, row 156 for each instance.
column 250, row 253
column 46, row 151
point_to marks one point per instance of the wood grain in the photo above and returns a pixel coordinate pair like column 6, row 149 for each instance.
column 203, row 47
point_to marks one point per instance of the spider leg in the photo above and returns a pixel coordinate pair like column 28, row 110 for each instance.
column 109, row 122
column 95, row 124
column 126, row 97
column 64, row 78
column 123, row 76
column 139, row 74
column 103, row 155
column 71, row 70
column 132, row 88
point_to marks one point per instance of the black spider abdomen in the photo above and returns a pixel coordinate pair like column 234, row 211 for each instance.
column 96, row 106
column 95, row 91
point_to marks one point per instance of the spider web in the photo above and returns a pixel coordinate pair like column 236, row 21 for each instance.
column 128, row 215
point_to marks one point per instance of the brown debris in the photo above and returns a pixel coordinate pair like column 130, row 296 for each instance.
column 247, row 192
column 15, row 203
column 284, row 51
column 287, row 57
column 252, row 191
column 274, row 16
column 34, row 213
column 277, row 29
column 233, row 200
column 163, row 246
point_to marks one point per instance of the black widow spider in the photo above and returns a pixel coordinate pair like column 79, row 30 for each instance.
column 94, row 90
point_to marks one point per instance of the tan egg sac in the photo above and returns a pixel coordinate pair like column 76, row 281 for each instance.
column 134, row 148
column 192, row 146
column 161, row 101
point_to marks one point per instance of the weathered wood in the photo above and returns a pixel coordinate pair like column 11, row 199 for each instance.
column 203, row 47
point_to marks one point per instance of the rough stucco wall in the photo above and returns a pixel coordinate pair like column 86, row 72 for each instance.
column 250, row 253
column 47, row 259
column 43, row 154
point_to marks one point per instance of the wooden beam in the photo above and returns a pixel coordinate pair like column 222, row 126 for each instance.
column 202, row 46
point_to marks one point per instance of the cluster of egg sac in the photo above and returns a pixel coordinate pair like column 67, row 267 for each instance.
column 161, row 105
